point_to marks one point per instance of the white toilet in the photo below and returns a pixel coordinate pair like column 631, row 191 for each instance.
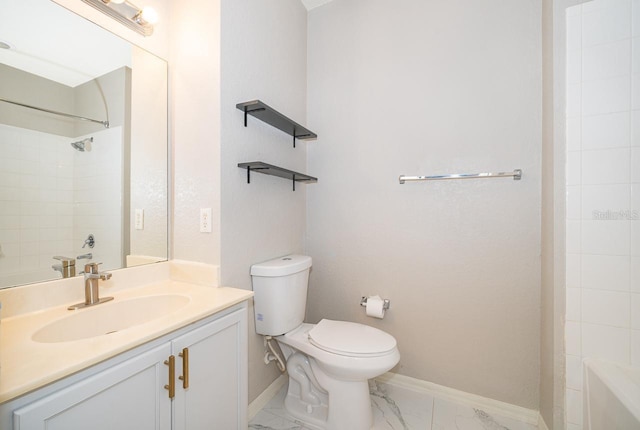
column 328, row 363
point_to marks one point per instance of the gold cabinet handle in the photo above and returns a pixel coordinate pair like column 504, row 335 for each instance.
column 185, row 368
column 171, row 386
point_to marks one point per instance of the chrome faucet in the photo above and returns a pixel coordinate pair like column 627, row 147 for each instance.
column 91, row 278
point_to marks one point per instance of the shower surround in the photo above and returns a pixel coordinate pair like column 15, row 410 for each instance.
column 52, row 197
column 603, row 190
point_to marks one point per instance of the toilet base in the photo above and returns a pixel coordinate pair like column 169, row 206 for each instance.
column 344, row 404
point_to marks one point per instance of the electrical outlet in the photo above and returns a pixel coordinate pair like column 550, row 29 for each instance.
column 205, row 220
column 139, row 219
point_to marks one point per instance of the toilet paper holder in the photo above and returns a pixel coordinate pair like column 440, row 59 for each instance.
column 385, row 305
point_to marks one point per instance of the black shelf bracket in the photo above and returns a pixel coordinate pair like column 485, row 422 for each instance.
column 269, row 169
column 267, row 114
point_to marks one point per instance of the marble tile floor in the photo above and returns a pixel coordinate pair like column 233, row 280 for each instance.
column 396, row 408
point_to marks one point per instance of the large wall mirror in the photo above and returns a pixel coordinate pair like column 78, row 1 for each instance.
column 83, row 146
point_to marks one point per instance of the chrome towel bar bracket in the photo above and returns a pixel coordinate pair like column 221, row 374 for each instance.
column 516, row 175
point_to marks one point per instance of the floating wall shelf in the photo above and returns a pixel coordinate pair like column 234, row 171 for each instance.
column 268, row 169
column 275, row 119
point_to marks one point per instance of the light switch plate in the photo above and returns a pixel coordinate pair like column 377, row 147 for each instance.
column 205, row 220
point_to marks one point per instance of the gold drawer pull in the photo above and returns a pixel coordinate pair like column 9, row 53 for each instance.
column 171, row 386
column 185, row 368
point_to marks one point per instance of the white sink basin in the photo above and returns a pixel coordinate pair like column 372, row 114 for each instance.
column 109, row 317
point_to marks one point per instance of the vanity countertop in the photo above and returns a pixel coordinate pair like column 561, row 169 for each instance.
column 26, row 365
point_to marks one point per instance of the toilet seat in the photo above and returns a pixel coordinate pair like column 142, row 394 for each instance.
column 351, row 339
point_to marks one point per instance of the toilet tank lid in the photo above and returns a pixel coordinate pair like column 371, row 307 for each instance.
column 282, row 266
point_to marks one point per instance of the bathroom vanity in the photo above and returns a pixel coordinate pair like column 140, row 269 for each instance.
column 180, row 363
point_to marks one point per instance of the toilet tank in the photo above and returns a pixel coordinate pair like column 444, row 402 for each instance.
column 280, row 293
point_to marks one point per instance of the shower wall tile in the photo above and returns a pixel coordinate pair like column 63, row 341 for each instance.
column 37, row 218
column 635, row 162
column 605, row 342
column 606, row 272
column 574, row 66
column 635, row 91
column 635, row 238
column 635, row 55
column 573, row 304
column 599, row 200
column 635, row 311
column 573, row 270
column 573, row 234
column 635, row 347
column 608, row 60
column 603, row 301
column 574, row 168
column 607, row 24
column 574, row 140
column 606, row 131
column 574, row 100
column 574, row 406
column 606, row 95
column 574, row 32
column 594, row 5
column 605, row 237
column 635, row 128
column 574, row 372
column 573, row 202
column 573, row 338
column 634, row 274
column 607, row 166
column 606, row 307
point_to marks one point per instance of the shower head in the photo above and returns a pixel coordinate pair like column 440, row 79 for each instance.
column 81, row 145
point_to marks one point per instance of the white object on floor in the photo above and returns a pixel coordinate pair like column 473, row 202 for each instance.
column 328, row 363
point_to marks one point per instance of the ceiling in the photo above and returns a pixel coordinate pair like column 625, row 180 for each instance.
column 50, row 41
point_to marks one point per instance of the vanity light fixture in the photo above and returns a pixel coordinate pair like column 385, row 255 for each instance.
column 128, row 14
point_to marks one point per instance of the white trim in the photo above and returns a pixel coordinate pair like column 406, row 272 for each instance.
column 508, row 410
column 541, row 424
column 268, row 394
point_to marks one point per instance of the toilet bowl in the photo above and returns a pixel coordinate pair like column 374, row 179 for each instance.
column 338, row 381
column 328, row 363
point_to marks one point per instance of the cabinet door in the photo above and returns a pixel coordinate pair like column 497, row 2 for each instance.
column 216, row 397
column 128, row 396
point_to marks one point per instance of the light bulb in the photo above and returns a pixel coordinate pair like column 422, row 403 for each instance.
column 149, row 15
column 117, row 1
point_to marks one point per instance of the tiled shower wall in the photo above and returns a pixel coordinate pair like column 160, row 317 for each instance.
column 98, row 194
column 603, row 190
column 52, row 196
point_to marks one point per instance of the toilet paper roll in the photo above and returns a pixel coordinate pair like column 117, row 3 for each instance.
column 375, row 307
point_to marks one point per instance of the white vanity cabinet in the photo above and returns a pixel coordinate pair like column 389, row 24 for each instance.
column 216, row 373
column 132, row 392
column 126, row 396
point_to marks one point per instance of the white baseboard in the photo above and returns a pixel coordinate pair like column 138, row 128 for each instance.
column 264, row 398
column 504, row 409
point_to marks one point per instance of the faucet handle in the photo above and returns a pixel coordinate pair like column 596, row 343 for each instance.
column 91, row 268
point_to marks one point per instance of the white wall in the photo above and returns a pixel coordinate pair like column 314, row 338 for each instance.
column 149, row 156
column 425, row 87
column 195, row 127
column 264, row 53
column 603, row 190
